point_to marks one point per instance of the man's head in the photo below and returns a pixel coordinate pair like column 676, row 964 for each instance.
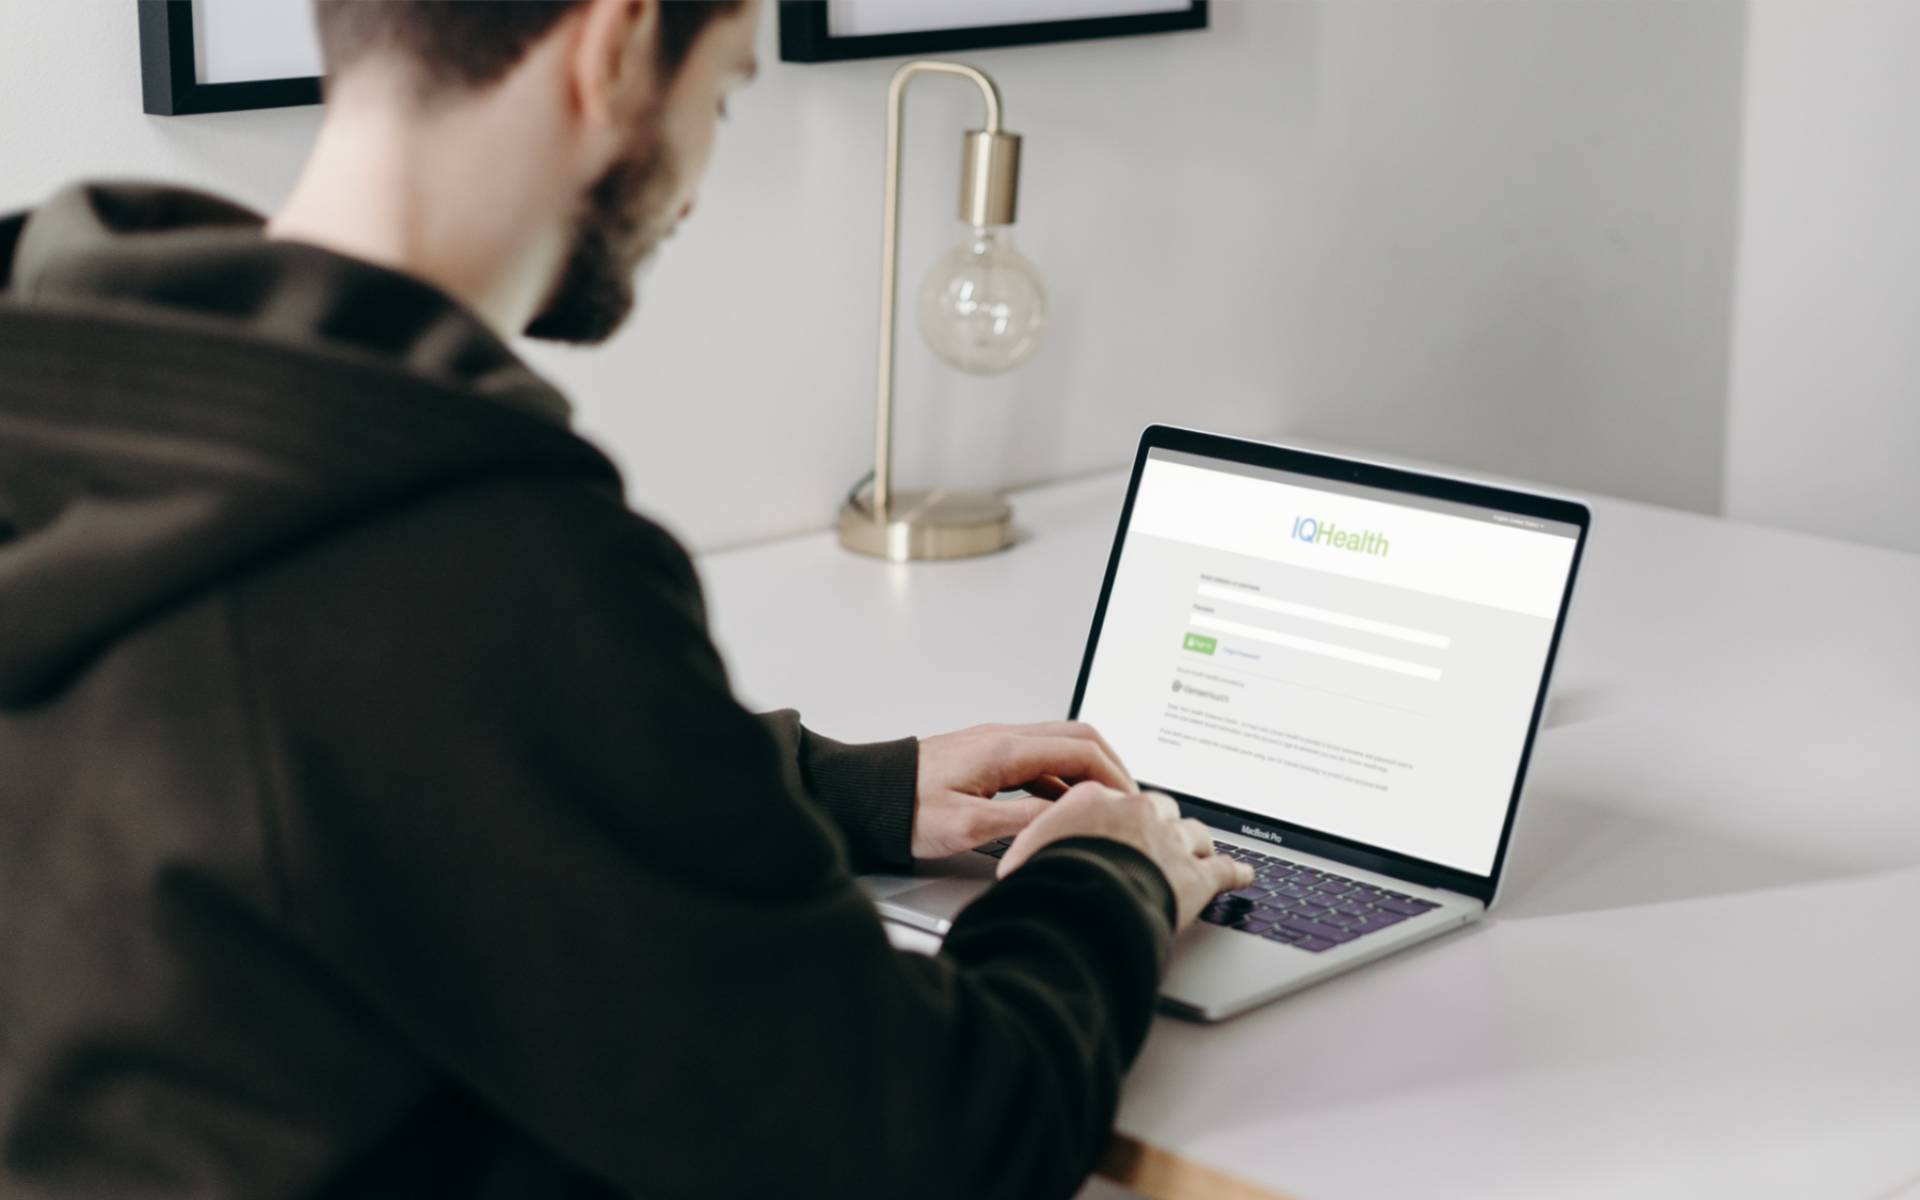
column 612, row 102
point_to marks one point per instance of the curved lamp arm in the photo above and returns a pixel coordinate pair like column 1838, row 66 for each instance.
column 995, row 166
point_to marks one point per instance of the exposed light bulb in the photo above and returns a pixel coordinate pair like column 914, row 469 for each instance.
column 982, row 305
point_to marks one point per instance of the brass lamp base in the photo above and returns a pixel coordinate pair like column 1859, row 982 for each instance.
column 928, row 525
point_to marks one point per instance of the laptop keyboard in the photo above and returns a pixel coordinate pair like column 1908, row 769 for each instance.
column 1297, row 905
column 1305, row 907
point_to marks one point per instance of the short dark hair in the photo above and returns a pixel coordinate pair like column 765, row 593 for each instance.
column 472, row 43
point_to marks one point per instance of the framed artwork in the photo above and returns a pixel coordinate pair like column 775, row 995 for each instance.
column 829, row 30
column 202, row 56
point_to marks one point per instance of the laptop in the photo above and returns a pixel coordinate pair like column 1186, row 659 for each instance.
column 1338, row 665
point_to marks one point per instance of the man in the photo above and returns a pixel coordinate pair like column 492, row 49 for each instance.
column 374, row 816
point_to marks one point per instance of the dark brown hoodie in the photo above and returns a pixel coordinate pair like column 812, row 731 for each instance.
column 375, row 819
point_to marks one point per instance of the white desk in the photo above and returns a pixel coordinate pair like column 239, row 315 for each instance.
column 1703, row 977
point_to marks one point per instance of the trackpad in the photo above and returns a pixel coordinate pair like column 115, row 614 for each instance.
column 941, row 898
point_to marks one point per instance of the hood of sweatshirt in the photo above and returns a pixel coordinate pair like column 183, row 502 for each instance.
column 182, row 397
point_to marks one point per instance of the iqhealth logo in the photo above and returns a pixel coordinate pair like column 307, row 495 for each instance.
column 1326, row 533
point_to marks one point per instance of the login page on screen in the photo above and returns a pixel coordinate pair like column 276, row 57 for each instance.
column 1357, row 661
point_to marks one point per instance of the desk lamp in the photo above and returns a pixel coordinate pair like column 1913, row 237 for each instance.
column 982, row 308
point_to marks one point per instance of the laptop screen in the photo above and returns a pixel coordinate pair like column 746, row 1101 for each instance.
column 1352, row 660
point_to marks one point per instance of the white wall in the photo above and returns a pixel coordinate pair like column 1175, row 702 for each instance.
column 1492, row 232
column 1520, row 239
column 70, row 108
column 1824, row 430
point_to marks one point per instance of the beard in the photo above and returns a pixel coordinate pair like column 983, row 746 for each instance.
column 623, row 217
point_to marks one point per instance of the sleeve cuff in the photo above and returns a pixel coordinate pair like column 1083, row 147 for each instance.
column 1146, row 881
column 868, row 790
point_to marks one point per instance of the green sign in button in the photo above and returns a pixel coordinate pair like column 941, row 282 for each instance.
column 1200, row 643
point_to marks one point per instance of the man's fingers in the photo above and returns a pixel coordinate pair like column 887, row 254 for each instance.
column 1074, row 729
column 1026, row 838
column 1066, row 757
column 1199, row 837
column 1164, row 807
column 1005, row 818
column 1015, row 855
column 1050, row 787
column 1226, row 873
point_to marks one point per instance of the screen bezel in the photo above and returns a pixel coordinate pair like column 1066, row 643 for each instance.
column 1392, row 479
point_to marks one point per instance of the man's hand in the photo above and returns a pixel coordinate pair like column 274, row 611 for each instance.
column 961, row 772
column 1151, row 824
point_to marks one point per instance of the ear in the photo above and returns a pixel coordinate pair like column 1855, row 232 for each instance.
column 614, row 56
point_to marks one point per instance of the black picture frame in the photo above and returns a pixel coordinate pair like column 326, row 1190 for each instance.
column 804, row 37
column 170, row 83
